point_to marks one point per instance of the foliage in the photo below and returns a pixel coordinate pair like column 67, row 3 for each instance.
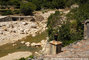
column 22, row 59
column 6, row 12
column 68, row 33
column 72, row 29
column 39, row 4
column 16, row 12
column 80, row 15
column 27, row 8
column 52, row 24
column 31, row 56
column 14, row 3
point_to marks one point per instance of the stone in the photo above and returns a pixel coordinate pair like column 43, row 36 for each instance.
column 27, row 43
column 39, row 18
column 1, row 32
column 14, row 44
column 33, row 44
column 4, row 28
column 26, row 31
column 22, row 42
column 38, row 45
column 24, row 23
column 33, row 25
column 21, row 31
column 32, row 19
column 74, row 6
column 33, row 35
column 29, row 59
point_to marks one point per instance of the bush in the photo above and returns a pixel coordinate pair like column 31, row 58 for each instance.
column 16, row 12
column 22, row 59
column 6, row 12
column 27, row 8
column 31, row 56
column 52, row 24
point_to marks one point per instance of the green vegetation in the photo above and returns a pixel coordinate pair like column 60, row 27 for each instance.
column 22, row 59
column 6, row 12
column 37, row 38
column 31, row 56
column 27, row 8
column 9, row 12
column 8, row 48
column 72, row 29
column 52, row 24
column 67, row 31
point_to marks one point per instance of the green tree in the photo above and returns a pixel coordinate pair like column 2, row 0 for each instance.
column 27, row 8
column 22, row 59
column 52, row 24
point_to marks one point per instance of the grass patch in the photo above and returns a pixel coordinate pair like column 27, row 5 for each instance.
column 37, row 38
column 9, row 48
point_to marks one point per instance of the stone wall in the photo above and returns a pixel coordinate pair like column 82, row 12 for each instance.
column 4, row 18
column 15, row 18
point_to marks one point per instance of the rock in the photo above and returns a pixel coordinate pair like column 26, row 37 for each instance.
column 32, row 19
column 33, row 25
column 14, row 44
column 27, row 44
column 22, row 42
column 1, row 32
column 26, row 31
column 37, row 53
column 43, row 42
column 38, row 45
column 39, row 18
column 33, row 44
column 29, row 59
column 24, row 23
column 47, row 38
column 33, row 35
column 74, row 6
column 21, row 31
column 4, row 28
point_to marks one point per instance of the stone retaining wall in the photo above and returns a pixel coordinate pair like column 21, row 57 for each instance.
column 14, row 18
column 4, row 19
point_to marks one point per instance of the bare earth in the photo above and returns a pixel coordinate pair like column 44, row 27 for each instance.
column 16, row 55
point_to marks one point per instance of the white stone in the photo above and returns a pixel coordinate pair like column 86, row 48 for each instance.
column 27, row 43
column 14, row 44
column 33, row 35
column 33, row 44
column 24, row 23
column 22, row 42
column 33, row 25
column 1, row 32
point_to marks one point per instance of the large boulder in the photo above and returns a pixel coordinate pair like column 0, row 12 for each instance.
column 39, row 18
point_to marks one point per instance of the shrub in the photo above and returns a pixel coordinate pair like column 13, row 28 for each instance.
column 27, row 8
column 52, row 24
column 22, row 59
column 6, row 12
column 16, row 12
column 31, row 56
